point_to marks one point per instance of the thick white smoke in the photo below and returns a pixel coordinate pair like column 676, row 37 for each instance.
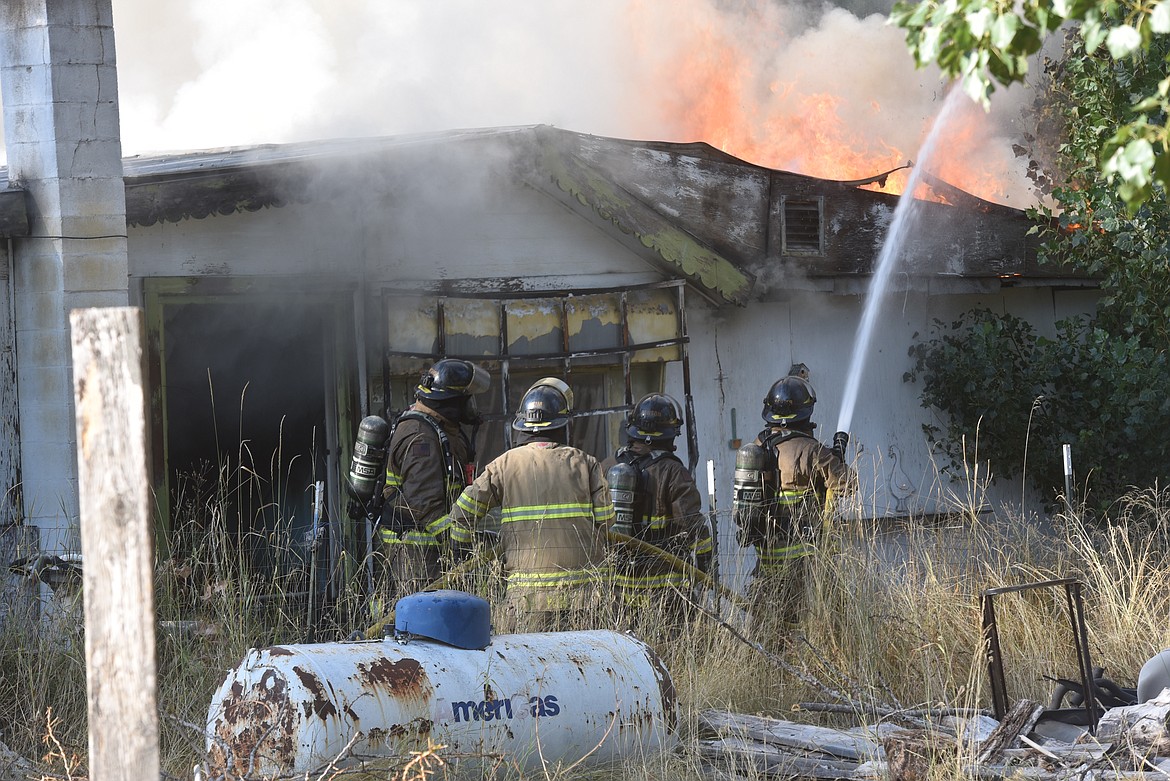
column 735, row 73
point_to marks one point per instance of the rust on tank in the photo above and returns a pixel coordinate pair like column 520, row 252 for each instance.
column 257, row 726
column 581, row 664
column 270, row 689
column 418, row 726
column 321, row 704
column 665, row 689
column 415, row 728
column 403, row 678
column 277, row 650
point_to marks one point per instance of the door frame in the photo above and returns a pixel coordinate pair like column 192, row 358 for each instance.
column 341, row 363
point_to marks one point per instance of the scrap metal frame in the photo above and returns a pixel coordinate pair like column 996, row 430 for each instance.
column 1080, row 633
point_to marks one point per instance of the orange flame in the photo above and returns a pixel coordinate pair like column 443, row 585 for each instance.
column 788, row 127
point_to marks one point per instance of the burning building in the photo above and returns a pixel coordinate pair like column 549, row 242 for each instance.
column 290, row 290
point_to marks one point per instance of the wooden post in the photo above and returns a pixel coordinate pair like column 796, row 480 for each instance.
column 116, row 543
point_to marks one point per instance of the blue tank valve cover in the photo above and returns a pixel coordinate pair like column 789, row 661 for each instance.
column 453, row 617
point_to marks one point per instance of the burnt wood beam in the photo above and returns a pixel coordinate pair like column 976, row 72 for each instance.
column 159, row 199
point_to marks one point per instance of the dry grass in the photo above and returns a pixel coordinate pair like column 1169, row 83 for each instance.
column 893, row 621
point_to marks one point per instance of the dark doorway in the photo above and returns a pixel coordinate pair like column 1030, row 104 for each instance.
column 245, row 388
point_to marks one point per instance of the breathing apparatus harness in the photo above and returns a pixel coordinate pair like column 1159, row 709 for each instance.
column 394, row 519
column 756, row 491
column 770, row 438
column 628, row 482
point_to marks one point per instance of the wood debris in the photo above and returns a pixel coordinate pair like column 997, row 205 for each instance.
column 737, row 745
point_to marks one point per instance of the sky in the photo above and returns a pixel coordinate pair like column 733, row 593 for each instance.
column 830, row 91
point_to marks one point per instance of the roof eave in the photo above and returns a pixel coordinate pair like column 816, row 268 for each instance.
column 709, row 273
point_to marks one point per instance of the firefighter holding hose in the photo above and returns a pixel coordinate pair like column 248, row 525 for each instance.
column 656, row 501
column 554, row 513
column 785, row 486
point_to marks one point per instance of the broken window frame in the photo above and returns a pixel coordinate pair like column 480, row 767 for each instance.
column 563, row 362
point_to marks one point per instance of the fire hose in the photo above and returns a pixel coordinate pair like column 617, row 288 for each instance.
column 677, row 564
column 491, row 552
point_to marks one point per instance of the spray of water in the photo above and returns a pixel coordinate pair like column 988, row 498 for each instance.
column 887, row 259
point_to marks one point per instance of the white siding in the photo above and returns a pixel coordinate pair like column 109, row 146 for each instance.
column 737, row 354
column 503, row 233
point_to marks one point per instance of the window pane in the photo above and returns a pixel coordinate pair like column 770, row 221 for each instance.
column 653, row 317
column 591, row 433
column 534, row 327
column 594, row 322
column 412, row 324
column 473, row 326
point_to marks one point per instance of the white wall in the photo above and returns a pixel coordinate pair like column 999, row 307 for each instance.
column 737, row 354
column 499, row 231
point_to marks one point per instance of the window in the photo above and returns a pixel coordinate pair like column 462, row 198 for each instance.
column 610, row 346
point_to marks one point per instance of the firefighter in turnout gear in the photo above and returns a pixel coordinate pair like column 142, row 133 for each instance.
column 554, row 513
column 428, row 463
column 785, row 486
column 656, row 500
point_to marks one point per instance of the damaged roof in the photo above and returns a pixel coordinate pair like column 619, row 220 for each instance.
column 730, row 228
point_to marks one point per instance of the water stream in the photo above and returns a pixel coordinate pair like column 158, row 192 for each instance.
column 892, row 248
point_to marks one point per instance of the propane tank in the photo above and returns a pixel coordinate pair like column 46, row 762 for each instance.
column 368, row 466
column 754, row 469
column 623, row 493
column 589, row 697
column 1154, row 676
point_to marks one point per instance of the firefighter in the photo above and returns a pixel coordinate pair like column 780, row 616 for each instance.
column 785, row 486
column 554, row 513
column 659, row 504
column 429, row 461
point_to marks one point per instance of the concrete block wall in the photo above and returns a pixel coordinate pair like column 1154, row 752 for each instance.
column 58, row 74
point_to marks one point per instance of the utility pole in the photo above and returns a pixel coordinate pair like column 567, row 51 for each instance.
column 114, row 489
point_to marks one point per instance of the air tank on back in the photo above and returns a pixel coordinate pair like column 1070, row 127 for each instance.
column 591, row 696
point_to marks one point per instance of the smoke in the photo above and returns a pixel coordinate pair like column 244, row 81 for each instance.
column 271, row 71
column 785, row 85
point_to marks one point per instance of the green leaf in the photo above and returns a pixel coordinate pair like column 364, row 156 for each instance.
column 1093, row 34
column 1149, row 104
column 1132, row 162
column 980, row 21
column 1162, row 169
column 1160, row 17
column 1027, row 40
column 1123, row 41
column 929, row 45
column 1003, row 30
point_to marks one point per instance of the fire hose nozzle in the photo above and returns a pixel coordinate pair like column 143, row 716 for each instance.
column 840, row 443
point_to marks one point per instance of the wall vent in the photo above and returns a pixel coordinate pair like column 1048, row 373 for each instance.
column 803, row 230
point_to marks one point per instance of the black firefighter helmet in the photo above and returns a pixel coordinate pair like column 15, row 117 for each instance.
column 655, row 418
column 451, row 378
column 790, row 400
column 547, row 405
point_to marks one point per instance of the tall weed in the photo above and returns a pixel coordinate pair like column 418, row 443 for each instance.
column 892, row 625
